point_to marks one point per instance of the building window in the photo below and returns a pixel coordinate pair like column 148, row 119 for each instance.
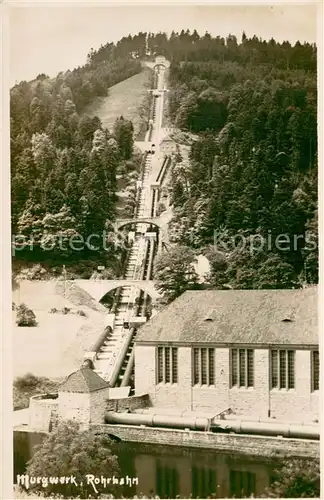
column 203, row 366
column 174, row 365
column 242, row 484
column 282, row 369
column 167, row 365
column 242, row 367
column 315, row 370
column 167, row 481
column 203, row 482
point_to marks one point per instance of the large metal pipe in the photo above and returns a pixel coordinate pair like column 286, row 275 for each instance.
column 166, row 166
column 264, row 420
column 101, row 339
column 199, row 423
column 128, row 339
column 121, row 357
column 149, row 257
column 270, row 429
column 157, row 420
column 116, row 299
column 229, row 417
column 128, row 371
column 130, row 363
column 162, row 171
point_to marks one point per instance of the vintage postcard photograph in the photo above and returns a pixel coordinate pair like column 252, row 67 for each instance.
column 164, row 240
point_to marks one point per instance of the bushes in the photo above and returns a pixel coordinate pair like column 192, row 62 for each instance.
column 81, row 313
column 160, row 208
column 27, row 382
column 25, row 316
column 296, row 479
column 69, row 451
column 67, row 310
column 29, row 385
column 33, row 272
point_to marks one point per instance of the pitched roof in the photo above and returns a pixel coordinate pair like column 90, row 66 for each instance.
column 83, row 380
column 237, row 317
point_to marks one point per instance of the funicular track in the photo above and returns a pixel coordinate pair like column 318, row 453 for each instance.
column 115, row 356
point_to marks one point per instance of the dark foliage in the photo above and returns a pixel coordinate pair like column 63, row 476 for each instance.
column 25, row 316
column 252, row 173
column 69, row 451
column 63, row 163
column 29, row 385
column 296, row 479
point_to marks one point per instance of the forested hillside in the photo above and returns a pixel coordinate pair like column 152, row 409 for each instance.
column 63, row 163
column 249, row 188
column 251, row 176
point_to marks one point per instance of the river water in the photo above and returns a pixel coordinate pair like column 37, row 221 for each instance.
column 170, row 471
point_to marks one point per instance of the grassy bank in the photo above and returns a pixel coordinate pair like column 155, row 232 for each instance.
column 125, row 99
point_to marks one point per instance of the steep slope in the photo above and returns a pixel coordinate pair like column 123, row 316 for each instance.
column 56, row 346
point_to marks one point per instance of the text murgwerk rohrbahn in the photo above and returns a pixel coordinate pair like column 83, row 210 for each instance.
column 89, row 479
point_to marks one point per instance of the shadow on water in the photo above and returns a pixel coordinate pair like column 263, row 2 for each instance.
column 169, row 472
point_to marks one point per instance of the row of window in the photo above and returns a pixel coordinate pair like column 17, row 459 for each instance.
column 167, row 365
column 203, row 482
column 282, row 367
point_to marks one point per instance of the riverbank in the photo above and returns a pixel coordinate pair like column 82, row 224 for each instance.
column 169, row 472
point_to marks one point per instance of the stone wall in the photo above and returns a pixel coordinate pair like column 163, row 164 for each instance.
column 132, row 403
column 41, row 408
column 295, row 405
column 253, row 400
column 74, row 406
column 244, row 444
column 45, row 413
column 299, row 402
column 144, row 370
column 98, row 401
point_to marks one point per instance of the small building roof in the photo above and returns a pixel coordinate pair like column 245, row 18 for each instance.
column 249, row 317
column 83, row 380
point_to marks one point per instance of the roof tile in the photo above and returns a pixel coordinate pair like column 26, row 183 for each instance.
column 239, row 317
column 83, row 380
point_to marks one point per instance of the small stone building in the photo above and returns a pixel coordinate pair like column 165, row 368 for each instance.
column 168, row 146
column 252, row 351
column 81, row 397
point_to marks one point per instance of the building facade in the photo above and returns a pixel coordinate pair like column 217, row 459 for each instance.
column 252, row 351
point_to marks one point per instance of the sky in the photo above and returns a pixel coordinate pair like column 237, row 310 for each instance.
column 49, row 39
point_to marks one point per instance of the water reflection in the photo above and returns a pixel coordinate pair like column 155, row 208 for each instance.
column 169, row 472
column 242, row 483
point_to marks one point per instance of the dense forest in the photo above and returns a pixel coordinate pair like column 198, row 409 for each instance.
column 250, row 106
column 64, row 163
column 247, row 194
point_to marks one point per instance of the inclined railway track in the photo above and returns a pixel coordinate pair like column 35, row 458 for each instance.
column 115, row 358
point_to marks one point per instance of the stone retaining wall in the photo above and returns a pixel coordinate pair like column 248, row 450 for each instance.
column 131, row 403
column 245, row 444
column 41, row 408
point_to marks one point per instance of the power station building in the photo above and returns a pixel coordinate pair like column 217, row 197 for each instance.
column 252, row 351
